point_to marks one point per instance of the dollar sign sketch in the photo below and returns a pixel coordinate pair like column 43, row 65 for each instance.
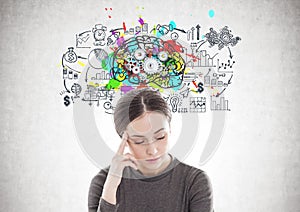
column 71, row 57
column 67, row 101
column 200, row 88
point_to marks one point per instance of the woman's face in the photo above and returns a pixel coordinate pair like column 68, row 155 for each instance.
column 147, row 140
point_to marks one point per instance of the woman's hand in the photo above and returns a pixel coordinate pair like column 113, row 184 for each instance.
column 114, row 177
column 120, row 160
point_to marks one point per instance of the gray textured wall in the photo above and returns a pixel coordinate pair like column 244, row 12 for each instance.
column 255, row 168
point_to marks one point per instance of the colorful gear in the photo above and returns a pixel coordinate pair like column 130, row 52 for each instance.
column 163, row 56
column 130, row 63
column 139, row 54
column 135, row 70
column 152, row 66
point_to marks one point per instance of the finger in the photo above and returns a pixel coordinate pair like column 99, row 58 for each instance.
column 131, row 164
column 123, row 143
column 130, row 157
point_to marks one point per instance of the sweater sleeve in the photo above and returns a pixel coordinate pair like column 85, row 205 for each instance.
column 201, row 195
column 95, row 202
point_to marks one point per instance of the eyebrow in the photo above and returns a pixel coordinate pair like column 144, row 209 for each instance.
column 140, row 136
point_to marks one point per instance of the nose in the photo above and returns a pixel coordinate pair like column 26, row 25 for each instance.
column 151, row 149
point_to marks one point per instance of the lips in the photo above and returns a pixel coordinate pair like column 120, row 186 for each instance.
column 154, row 159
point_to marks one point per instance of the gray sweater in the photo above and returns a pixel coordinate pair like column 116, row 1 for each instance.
column 179, row 188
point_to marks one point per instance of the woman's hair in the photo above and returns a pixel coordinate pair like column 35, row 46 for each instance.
column 135, row 103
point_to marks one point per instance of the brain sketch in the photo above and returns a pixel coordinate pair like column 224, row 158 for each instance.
column 147, row 60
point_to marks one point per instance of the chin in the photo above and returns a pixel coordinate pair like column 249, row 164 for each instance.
column 152, row 167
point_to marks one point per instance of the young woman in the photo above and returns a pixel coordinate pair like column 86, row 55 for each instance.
column 148, row 179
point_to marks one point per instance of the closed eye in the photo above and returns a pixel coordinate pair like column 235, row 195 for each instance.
column 139, row 142
column 161, row 138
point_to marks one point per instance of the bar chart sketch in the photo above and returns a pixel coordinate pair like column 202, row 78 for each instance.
column 202, row 59
column 211, row 81
column 104, row 75
column 219, row 104
column 70, row 74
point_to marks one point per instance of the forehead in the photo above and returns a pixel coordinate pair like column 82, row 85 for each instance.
column 148, row 123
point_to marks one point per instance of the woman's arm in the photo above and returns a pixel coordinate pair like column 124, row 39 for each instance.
column 103, row 189
column 102, row 193
column 201, row 195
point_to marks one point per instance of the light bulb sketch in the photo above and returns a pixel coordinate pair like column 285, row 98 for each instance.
column 174, row 100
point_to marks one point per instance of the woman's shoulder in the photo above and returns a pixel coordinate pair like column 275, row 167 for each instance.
column 189, row 169
column 101, row 176
column 196, row 180
column 192, row 174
